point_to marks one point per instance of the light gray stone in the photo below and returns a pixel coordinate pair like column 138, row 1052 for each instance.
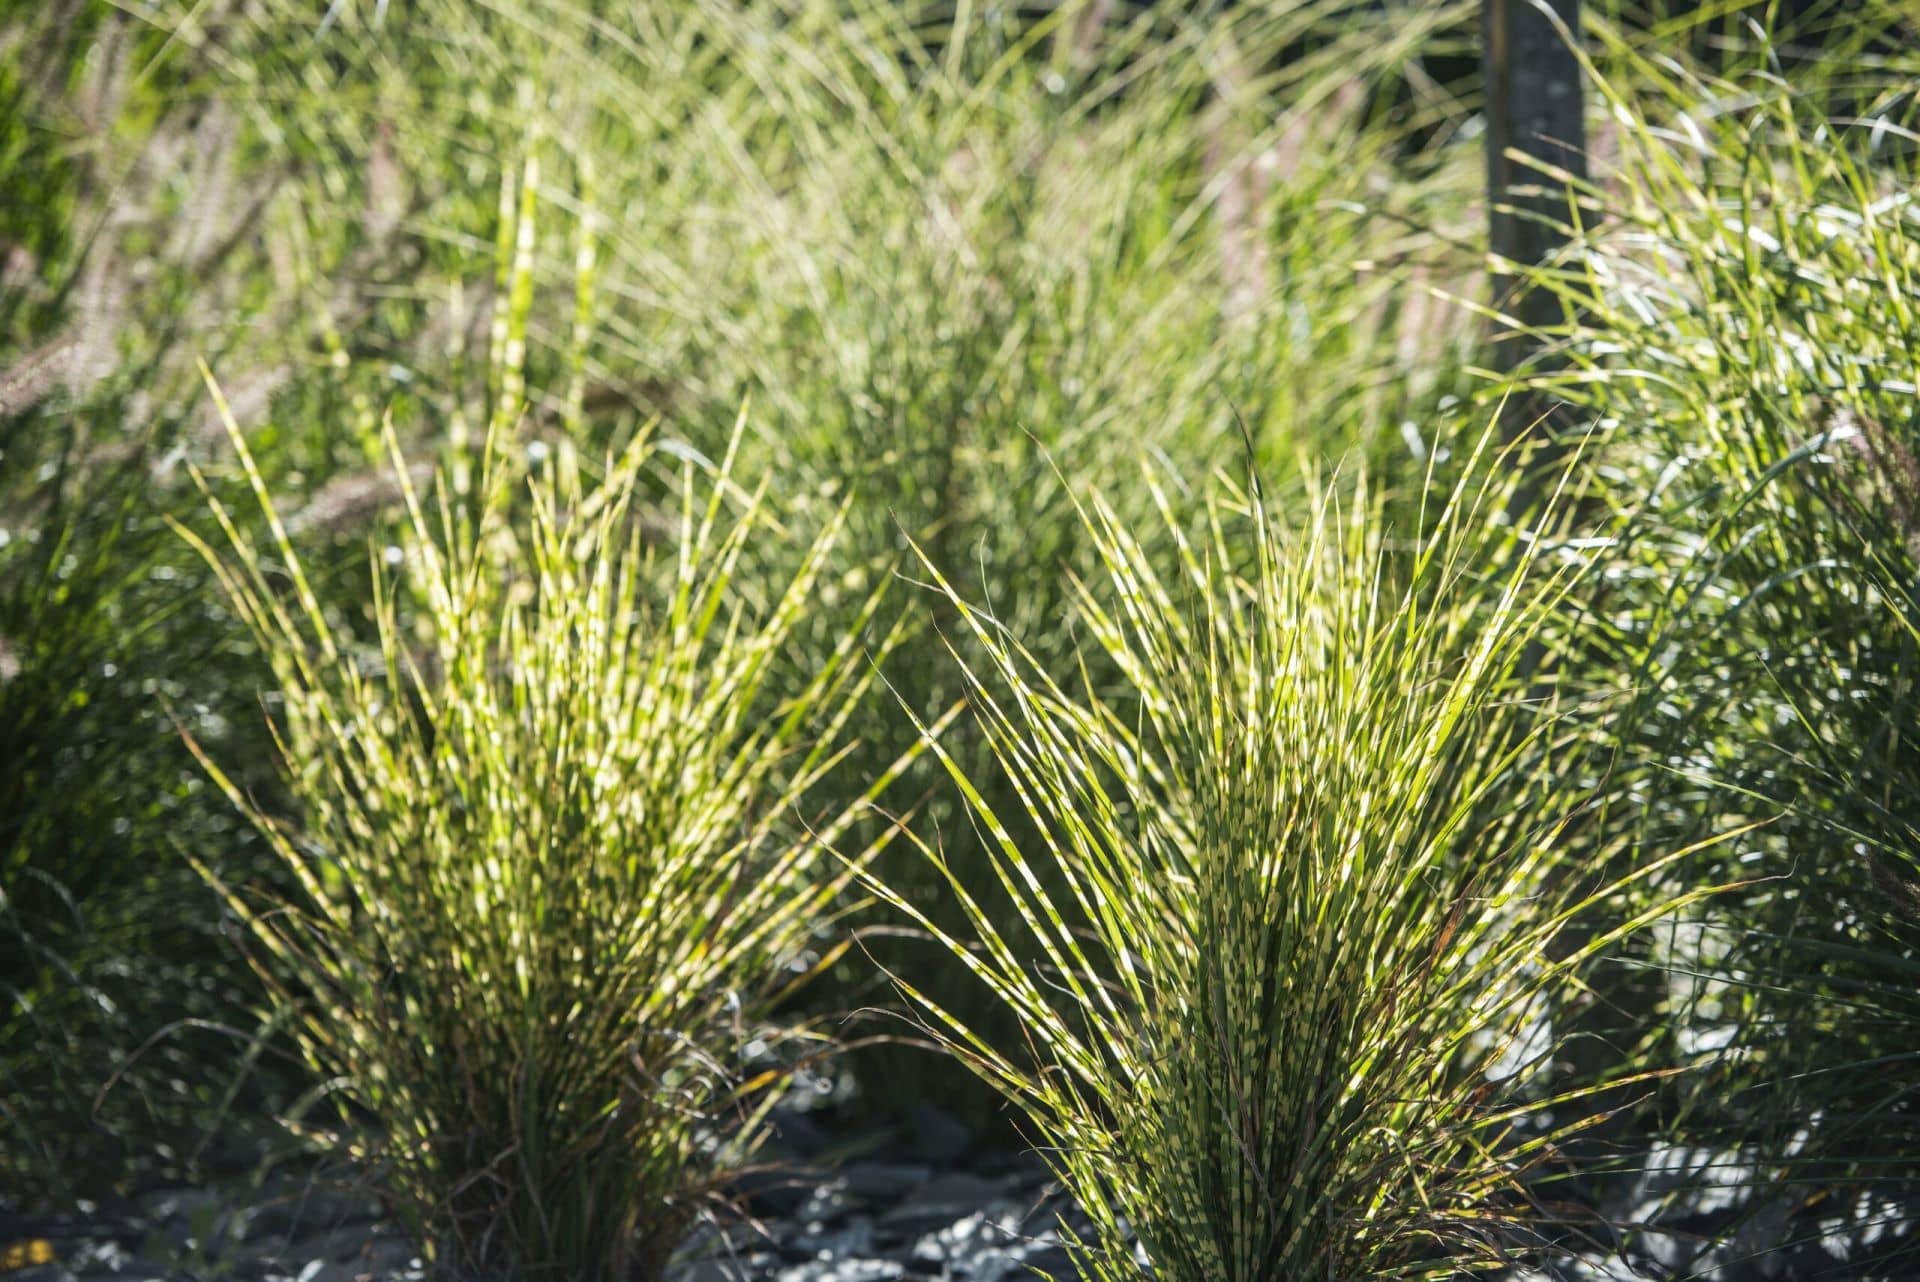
column 941, row 1201
column 884, row 1181
column 843, row 1271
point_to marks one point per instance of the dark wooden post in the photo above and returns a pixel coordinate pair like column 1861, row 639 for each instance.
column 1534, row 116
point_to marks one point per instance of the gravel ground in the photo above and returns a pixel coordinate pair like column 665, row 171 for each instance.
column 918, row 1204
column 921, row 1201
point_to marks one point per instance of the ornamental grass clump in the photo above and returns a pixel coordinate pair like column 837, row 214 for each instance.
column 1750, row 352
column 1297, row 974
column 551, row 867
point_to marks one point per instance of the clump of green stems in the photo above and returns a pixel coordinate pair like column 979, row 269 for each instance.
column 551, row 869
column 941, row 251
column 1286, row 919
column 1748, row 344
column 1039, row 259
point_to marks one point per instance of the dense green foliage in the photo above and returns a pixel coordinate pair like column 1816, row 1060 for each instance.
column 1749, row 349
column 1320, row 870
column 550, row 880
column 1019, row 301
